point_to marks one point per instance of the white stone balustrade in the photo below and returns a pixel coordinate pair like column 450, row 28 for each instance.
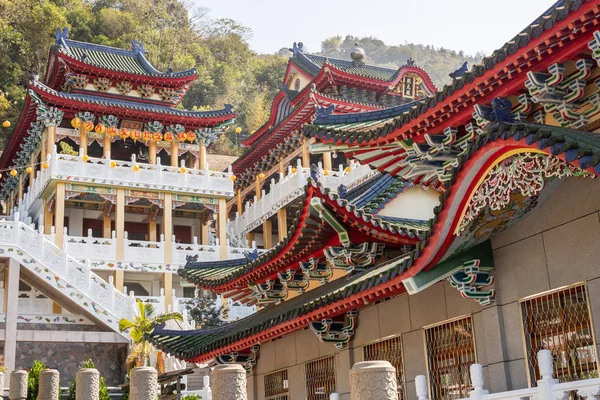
column 65, row 273
column 289, row 188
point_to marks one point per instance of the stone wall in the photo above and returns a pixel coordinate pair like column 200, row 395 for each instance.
column 67, row 357
column 556, row 245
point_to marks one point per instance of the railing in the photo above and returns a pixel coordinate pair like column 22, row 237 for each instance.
column 547, row 387
column 54, row 265
column 289, row 188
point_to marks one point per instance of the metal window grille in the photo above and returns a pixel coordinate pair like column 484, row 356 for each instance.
column 450, row 349
column 277, row 385
column 388, row 350
column 320, row 379
column 560, row 321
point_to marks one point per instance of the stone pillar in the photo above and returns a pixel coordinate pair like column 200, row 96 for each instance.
column 174, row 153
column 373, row 380
column 238, row 200
column 305, row 153
column 152, row 151
column 119, row 280
column 222, row 227
column 120, row 223
column 267, row 234
column 49, row 385
column 83, row 141
column 32, row 169
column 12, row 287
column 106, row 144
column 327, row 164
column 18, row 385
column 228, row 382
column 50, row 139
column 167, row 227
column 59, row 214
column 282, row 223
column 168, row 288
column 202, row 156
column 88, row 384
column 144, row 384
column 205, row 229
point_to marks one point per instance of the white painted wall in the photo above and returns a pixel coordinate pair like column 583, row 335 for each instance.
column 414, row 203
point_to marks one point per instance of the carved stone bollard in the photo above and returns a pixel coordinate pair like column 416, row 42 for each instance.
column 18, row 385
column 373, row 380
column 228, row 382
column 2, row 382
column 143, row 384
column 87, row 383
column 49, row 386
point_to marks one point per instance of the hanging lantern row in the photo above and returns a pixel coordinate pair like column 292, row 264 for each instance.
column 134, row 134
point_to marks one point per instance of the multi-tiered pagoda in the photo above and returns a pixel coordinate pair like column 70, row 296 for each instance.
column 473, row 238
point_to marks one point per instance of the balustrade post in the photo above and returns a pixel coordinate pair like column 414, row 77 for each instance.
column 373, row 380
column 546, row 368
column 476, row 372
column 49, row 385
column 206, row 391
column 88, row 384
column 18, row 385
column 16, row 227
column 421, row 387
column 229, row 382
column 159, row 171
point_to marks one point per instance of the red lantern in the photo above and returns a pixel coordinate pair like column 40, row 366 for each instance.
column 112, row 131
column 76, row 123
column 124, row 133
column 191, row 136
column 181, row 137
column 100, row 129
column 169, row 137
column 146, row 136
column 88, row 126
column 135, row 135
column 157, row 136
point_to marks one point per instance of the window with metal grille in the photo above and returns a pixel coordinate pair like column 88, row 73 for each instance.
column 560, row 321
column 277, row 385
column 388, row 350
column 320, row 379
column 450, row 349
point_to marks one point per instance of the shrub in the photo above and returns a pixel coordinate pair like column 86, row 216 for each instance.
column 33, row 379
column 190, row 397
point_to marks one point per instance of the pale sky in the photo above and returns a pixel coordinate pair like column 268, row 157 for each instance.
column 468, row 25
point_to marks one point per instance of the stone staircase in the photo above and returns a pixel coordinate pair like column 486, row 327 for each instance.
column 61, row 277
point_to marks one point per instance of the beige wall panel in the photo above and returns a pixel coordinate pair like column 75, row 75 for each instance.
column 368, row 326
column 325, row 349
column 557, row 210
column 394, row 316
column 492, row 335
column 342, row 373
column 456, row 305
column 572, row 251
column 297, row 382
column 517, row 374
column 307, row 346
column 480, row 343
column 260, row 386
column 285, row 352
column 250, row 385
column 411, row 390
column 427, row 307
column 593, row 287
column 520, row 270
column 499, row 382
column 266, row 361
column 512, row 331
column 414, row 354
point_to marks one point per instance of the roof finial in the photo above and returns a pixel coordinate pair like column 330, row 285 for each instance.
column 61, row 36
column 297, row 48
column 138, row 47
column 410, row 62
column 358, row 56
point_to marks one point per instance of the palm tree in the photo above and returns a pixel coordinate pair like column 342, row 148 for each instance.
column 142, row 325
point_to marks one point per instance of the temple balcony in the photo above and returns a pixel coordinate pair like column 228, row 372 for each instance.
column 288, row 188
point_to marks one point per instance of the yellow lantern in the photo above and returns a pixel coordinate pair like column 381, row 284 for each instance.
column 85, row 158
column 13, row 172
column 112, row 131
column 169, row 137
column 113, row 164
column 76, row 123
column 136, row 168
column 88, row 126
column 238, row 130
column 261, row 175
column 294, row 170
column 6, row 124
column 347, row 169
column 146, row 136
column 124, row 133
column 325, row 172
column 28, row 170
column 181, row 137
column 44, row 165
column 157, row 136
column 183, row 170
column 136, row 135
column 233, row 178
column 0, row 176
column 100, row 129
column 190, row 136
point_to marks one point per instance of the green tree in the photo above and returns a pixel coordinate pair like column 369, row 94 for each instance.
column 204, row 312
column 143, row 325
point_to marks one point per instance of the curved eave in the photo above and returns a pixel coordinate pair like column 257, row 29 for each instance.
column 565, row 34
column 269, row 124
column 95, row 105
column 385, row 280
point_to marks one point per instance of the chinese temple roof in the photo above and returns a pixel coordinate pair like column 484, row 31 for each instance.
column 131, row 61
column 506, row 67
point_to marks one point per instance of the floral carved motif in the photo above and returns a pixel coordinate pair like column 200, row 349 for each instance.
column 124, row 87
column 145, row 91
column 373, row 381
column 102, row 84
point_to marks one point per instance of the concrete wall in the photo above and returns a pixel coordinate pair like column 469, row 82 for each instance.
column 555, row 246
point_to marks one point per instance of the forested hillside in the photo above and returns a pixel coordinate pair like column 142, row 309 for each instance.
column 178, row 37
